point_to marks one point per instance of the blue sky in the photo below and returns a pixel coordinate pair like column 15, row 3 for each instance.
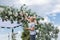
column 49, row 9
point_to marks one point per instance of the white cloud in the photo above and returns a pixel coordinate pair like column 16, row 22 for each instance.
column 32, row 2
column 54, row 11
column 46, row 7
column 56, row 8
column 46, row 20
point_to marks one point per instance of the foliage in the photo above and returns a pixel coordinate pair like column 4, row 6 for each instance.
column 45, row 31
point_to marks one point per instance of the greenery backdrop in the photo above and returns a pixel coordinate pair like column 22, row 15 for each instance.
column 46, row 31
